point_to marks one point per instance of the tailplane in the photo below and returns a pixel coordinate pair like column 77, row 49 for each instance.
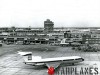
column 28, row 54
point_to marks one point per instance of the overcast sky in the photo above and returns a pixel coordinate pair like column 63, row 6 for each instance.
column 64, row 13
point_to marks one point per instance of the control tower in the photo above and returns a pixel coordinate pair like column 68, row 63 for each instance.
column 48, row 26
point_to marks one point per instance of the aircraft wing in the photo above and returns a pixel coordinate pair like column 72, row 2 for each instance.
column 53, row 64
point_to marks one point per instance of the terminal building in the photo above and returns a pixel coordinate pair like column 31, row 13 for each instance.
column 48, row 34
column 30, row 35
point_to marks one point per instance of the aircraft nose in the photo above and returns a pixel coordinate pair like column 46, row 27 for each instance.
column 82, row 59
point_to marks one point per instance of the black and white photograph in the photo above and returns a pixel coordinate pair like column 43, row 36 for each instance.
column 49, row 37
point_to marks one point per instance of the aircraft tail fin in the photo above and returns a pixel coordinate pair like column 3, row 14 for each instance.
column 28, row 54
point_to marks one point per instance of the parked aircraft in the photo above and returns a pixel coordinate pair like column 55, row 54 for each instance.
column 54, row 62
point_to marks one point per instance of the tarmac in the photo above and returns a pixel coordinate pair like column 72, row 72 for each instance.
column 12, row 64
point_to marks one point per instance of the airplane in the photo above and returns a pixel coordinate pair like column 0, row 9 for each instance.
column 54, row 62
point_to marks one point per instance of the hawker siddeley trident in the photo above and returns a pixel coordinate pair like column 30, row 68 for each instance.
column 54, row 62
